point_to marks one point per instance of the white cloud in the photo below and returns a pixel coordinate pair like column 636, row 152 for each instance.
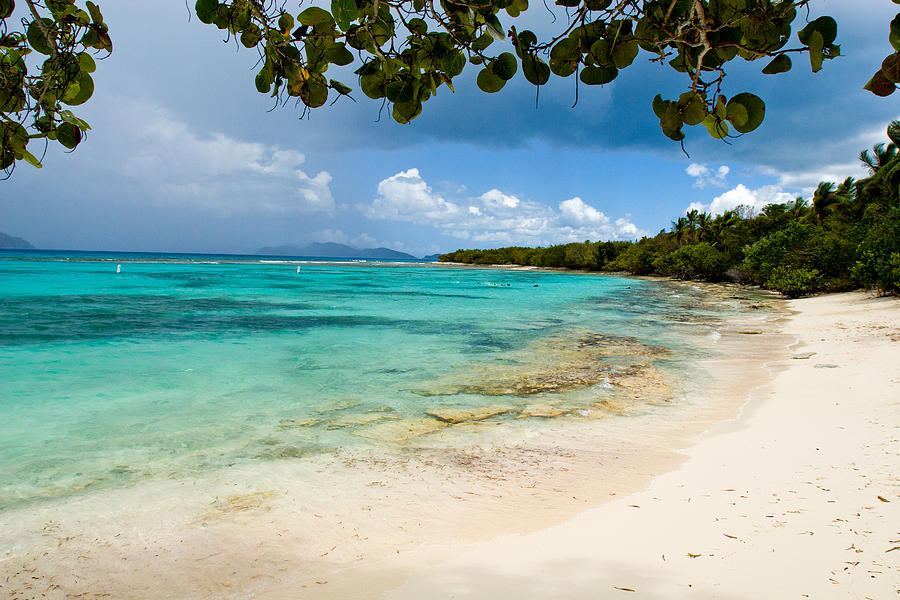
column 364, row 240
column 744, row 196
column 406, row 197
column 221, row 174
column 704, row 177
column 494, row 217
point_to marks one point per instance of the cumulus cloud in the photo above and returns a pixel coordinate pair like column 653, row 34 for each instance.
column 703, row 176
column 494, row 217
column 221, row 174
column 743, row 196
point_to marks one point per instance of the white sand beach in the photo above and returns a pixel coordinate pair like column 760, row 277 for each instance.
column 787, row 485
column 797, row 498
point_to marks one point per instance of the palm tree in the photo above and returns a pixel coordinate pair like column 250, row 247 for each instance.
column 703, row 221
column 798, row 208
column 823, row 198
column 692, row 216
column 880, row 157
column 679, row 228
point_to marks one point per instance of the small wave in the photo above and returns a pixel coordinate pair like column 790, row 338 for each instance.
column 715, row 336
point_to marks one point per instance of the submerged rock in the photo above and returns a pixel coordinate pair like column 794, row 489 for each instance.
column 542, row 411
column 457, row 415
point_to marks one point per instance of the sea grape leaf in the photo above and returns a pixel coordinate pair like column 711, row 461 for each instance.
column 593, row 75
column 535, row 70
column 488, row 82
column 505, row 66
column 750, row 105
column 880, row 85
column 780, row 64
column 344, row 12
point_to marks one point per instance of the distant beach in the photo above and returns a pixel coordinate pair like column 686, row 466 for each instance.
column 571, row 417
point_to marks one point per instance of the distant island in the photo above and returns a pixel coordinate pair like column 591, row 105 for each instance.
column 333, row 250
column 8, row 242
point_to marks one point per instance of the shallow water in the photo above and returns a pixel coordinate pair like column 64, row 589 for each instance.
column 178, row 368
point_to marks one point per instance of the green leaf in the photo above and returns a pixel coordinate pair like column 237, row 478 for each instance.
column 68, row 135
column 314, row 16
column 417, row 26
column 598, row 4
column 372, row 84
column 454, row 63
column 400, row 91
column 717, row 129
column 568, row 3
column 624, row 53
column 895, row 33
column 535, row 70
column 694, row 111
column 80, row 91
column 592, row 75
column 825, row 26
column 6, row 8
column 36, row 37
column 780, row 64
column 659, row 106
column 816, row 55
column 488, row 82
column 505, row 66
column 564, row 57
column 338, row 54
column 344, row 12
column 737, row 114
column 890, row 68
column 482, row 43
column 406, row 111
column 251, row 36
column 314, row 92
column 285, row 22
column 206, row 10
column 31, row 159
column 339, row 87
column 96, row 17
column 752, row 106
column 880, row 85
column 495, row 29
column 264, row 79
column 86, row 62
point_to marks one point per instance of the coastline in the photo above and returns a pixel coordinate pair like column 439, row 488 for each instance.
column 508, row 515
column 267, row 530
column 797, row 497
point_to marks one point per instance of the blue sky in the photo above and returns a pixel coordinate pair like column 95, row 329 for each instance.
column 186, row 156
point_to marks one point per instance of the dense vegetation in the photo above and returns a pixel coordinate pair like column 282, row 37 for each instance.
column 847, row 236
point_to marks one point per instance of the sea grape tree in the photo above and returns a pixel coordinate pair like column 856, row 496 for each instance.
column 401, row 51
column 46, row 61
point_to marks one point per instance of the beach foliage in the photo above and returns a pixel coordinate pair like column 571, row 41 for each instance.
column 847, row 237
column 402, row 52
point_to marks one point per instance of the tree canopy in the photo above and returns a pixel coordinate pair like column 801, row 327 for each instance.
column 404, row 50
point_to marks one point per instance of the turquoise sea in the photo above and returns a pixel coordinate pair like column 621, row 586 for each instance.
column 183, row 364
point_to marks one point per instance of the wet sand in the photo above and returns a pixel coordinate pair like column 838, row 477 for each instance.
column 378, row 522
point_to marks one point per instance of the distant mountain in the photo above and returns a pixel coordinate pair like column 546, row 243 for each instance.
column 8, row 242
column 333, row 250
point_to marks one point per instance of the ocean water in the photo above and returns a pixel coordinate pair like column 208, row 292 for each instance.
column 182, row 365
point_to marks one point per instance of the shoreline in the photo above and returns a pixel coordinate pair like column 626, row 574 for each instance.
column 266, row 530
column 798, row 496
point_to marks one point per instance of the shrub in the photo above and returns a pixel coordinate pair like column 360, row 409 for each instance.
column 794, row 281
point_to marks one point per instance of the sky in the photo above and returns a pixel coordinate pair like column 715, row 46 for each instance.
column 185, row 156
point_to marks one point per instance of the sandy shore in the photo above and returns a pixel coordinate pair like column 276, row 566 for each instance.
column 797, row 498
column 798, row 495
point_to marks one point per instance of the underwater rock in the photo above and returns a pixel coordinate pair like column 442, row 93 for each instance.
column 298, row 423
column 457, row 415
column 543, row 411
column 401, row 430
